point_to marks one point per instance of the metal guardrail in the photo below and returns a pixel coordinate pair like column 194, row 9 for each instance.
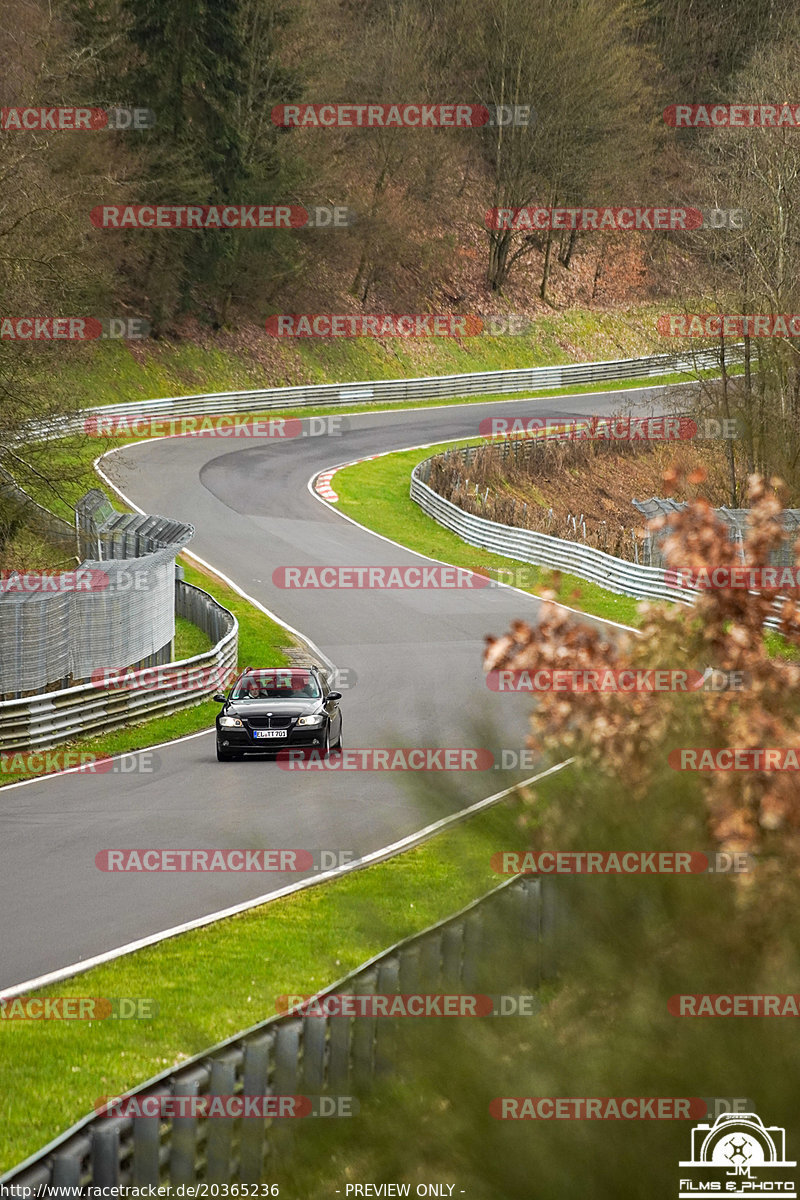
column 528, row 545
column 40, row 722
column 479, row 383
column 299, row 1055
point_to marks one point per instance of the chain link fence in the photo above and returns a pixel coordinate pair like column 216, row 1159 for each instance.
column 735, row 520
column 115, row 611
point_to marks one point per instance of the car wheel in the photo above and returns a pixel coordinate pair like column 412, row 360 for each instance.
column 224, row 756
column 326, row 749
column 339, row 743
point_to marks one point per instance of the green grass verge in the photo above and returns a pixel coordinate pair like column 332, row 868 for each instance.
column 189, row 640
column 376, row 494
column 211, row 983
column 261, row 641
column 106, row 372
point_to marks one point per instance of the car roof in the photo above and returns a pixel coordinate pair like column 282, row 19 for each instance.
column 262, row 671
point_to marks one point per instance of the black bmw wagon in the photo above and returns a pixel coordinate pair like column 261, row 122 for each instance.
column 278, row 707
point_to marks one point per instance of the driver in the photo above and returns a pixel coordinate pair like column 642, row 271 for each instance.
column 302, row 685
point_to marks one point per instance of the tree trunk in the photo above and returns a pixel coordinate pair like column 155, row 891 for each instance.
column 499, row 246
column 566, row 259
column 727, row 410
column 548, row 250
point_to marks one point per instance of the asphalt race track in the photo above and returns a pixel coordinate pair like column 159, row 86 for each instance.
column 416, row 656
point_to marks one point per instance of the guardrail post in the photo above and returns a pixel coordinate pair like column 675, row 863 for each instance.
column 146, row 1167
column 549, row 953
column 105, row 1150
column 314, row 1044
column 389, row 984
column 219, row 1139
column 364, row 1034
column 430, row 962
column 66, row 1170
column 339, row 1046
column 473, row 944
column 452, row 951
column 255, row 1083
column 529, row 892
column 285, row 1083
column 409, row 970
column 183, row 1143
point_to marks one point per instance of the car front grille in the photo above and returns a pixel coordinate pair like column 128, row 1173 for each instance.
column 269, row 722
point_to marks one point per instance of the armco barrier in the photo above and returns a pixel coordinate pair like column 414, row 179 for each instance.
column 40, row 722
column 289, row 1055
column 479, row 383
column 528, row 545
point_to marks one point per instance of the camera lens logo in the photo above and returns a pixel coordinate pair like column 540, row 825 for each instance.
column 737, row 1155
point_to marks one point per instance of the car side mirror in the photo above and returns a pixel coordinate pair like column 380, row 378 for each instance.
column 334, row 695
column 220, row 697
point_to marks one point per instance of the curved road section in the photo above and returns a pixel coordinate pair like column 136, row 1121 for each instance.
column 416, row 656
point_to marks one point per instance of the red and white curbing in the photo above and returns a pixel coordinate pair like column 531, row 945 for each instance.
column 322, row 484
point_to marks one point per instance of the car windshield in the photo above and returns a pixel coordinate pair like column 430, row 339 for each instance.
column 278, row 685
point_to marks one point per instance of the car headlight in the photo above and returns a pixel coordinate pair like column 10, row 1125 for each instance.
column 315, row 720
column 230, row 722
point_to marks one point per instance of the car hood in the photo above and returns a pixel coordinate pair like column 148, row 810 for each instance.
column 261, row 708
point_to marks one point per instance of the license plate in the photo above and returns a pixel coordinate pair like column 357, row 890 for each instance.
column 269, row 733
